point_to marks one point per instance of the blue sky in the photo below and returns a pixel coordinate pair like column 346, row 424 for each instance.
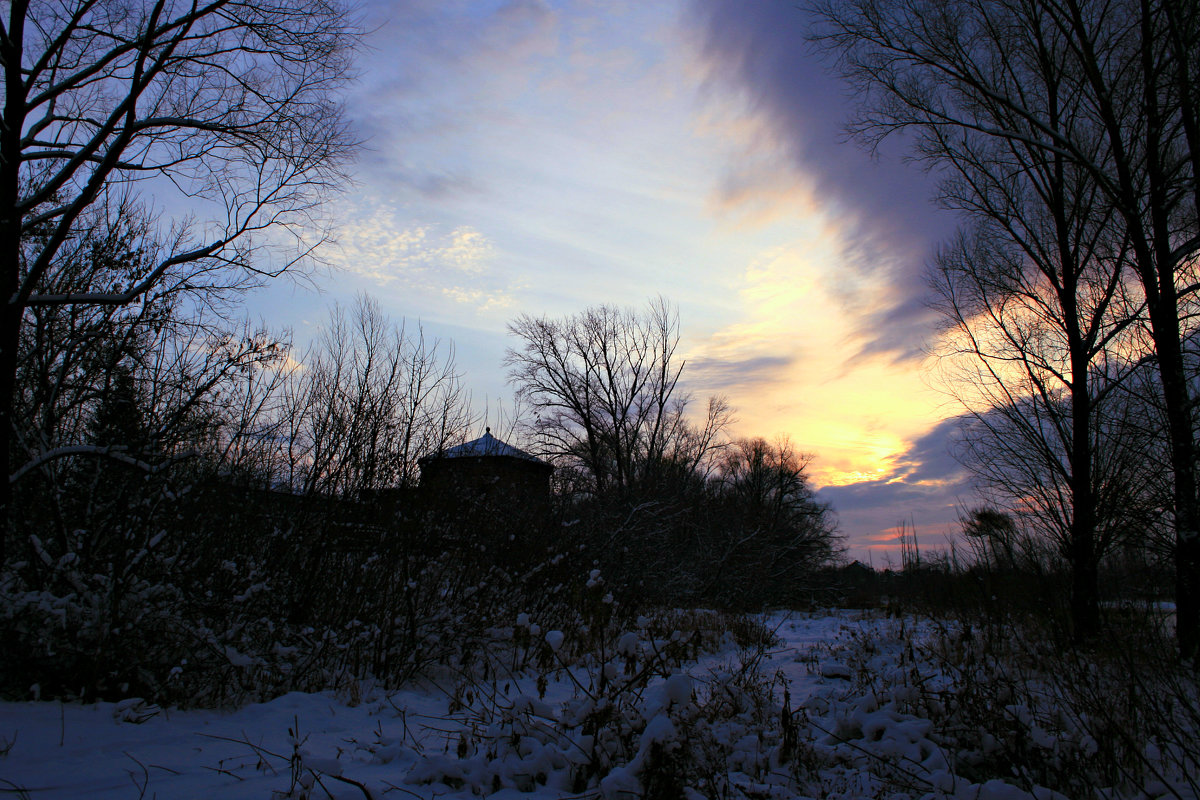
column 540, row 157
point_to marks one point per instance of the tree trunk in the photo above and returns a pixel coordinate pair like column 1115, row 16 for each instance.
column 1187, row 511
column 1085, row 581
column 10, row 327
column 11, row 129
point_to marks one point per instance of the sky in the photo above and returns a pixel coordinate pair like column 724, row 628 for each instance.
column 540, row 157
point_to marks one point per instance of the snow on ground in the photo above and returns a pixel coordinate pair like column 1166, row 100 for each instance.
column 429, row 741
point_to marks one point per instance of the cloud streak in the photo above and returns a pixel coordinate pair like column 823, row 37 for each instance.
column 758, row 52
column 723, row 374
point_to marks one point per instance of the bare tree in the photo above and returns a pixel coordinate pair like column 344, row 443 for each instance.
column 1036, row 312
column 224, row 112
column 371, row 399
column 145, row 385
column 119, row 409
column 604, row 387
column 772, row 530
column 1022, row 454
column 1110, row 89
column 993, row 537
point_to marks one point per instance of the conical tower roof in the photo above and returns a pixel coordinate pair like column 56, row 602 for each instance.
column 486, row 445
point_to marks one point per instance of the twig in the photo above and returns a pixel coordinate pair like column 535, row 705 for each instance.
column 223, row 771
column 258, row 750
column 362, row 787
column 141, row 787
column 12, row 788
column 914, row 776
column 392, row 786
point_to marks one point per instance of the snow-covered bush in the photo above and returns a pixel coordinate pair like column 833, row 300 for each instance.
column 161, row 606
column 937, row 706
column 635, row 723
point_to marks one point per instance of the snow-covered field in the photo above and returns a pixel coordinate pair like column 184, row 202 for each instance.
column 713, row 728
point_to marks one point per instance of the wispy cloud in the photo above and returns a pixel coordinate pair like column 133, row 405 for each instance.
column 458, row 264
column 435, row 72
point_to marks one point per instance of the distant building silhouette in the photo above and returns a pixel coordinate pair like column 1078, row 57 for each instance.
column 486, row 471
column 488, row 497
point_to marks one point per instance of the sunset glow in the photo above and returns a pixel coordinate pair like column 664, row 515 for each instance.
column 533, row 157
